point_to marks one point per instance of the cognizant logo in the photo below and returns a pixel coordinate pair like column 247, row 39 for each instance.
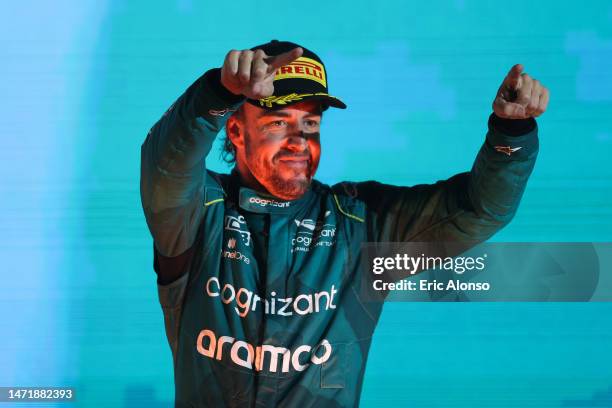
column 247, row 301
column 266, row 201
column 264, row 357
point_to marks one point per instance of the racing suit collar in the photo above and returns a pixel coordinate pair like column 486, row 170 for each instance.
column 258, row 202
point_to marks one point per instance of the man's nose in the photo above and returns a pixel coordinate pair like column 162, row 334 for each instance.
column 297, row 140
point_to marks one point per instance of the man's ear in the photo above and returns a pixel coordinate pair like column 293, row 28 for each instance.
column 235, row 131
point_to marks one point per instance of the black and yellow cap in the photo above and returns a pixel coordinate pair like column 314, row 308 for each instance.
column 303, row 79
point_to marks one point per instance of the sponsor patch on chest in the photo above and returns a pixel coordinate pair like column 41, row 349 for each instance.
column 312, row 234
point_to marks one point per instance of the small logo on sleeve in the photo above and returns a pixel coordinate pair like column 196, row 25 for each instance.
column 507, row 149
column 221, row 112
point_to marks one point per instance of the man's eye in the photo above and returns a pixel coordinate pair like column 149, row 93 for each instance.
column 312, row 123
column 277, row 123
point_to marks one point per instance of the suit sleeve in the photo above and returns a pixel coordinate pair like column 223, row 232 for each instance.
column 173, row 162
column 468, row 207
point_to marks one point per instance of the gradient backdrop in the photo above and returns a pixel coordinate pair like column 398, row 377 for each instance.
column 82, row 82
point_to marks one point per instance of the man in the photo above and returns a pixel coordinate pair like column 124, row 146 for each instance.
column 258, row 270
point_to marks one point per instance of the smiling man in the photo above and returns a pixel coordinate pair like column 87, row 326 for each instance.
column 258, row 270
column 278, row 150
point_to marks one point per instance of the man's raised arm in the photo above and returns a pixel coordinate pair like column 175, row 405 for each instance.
column 173, row 154
column 173, row 161
column 468, row 207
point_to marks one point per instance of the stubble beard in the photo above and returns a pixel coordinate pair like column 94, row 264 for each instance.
column 268, row 175
column 290, row 189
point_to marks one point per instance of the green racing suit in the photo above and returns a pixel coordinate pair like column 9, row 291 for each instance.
column 261, row 296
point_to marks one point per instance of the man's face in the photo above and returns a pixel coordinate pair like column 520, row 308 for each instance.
column 281, row 148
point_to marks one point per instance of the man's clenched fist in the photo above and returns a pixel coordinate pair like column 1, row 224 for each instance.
column 251, row 73
column 520, row 96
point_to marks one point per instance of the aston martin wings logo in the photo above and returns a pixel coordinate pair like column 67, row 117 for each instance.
column 507, row 149
column 221, row 112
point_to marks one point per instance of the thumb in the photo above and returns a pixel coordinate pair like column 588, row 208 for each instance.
column 514, row 78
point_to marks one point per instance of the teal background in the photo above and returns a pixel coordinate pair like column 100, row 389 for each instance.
column 82, row 82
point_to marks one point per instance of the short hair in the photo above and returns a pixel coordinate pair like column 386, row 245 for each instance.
column 228, row 150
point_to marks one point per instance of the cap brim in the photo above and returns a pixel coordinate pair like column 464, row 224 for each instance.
column 326, row 100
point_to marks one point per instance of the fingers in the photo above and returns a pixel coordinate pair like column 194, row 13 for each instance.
column 524, row 91
column 510, row 110
column 538, row 101
column 231, row 62
column 534, row 98
column 251, row 73
column 535, row 105
column 244, row 66
column 284, row 58
column 531, row 96
column 258, row 66
column 513, row 79
column 228, row 72
column 542, row 102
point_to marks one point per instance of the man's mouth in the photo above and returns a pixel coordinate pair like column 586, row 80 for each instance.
column 295, row 162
